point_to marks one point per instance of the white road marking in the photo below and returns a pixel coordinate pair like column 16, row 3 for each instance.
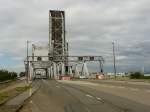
column 107, row 86
column 98, row 98
column 89, row 96
column 112, row 86
column 134, row 89
column 88, row 110
column 121, row 87
column 148, row 91
column 58, row 86
column 103, row 85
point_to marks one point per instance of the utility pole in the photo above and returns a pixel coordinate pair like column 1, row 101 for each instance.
column 114, row 58
column 27, row 62
column 100, row 67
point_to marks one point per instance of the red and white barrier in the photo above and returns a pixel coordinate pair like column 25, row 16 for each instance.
column 64, row 78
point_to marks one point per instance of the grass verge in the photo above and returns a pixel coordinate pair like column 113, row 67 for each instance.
column 4, row 96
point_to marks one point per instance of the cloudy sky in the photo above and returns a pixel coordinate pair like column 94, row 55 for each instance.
column 91, row 26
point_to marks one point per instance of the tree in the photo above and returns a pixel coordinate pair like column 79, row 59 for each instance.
column 136, row 75
column 6, row 75
column 22, row 74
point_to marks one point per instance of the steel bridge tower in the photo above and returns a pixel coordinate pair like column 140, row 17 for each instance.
column 57, row 40
column 53, row 59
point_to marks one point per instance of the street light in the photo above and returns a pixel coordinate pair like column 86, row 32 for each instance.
column 114, row 58
column 27, row 61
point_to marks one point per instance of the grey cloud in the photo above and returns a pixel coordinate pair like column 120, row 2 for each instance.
column 91, row 27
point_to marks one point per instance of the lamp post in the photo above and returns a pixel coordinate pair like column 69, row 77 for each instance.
column 27, row 62
column 114, row 58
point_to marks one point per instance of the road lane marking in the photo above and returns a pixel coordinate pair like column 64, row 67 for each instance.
column 87, row 110
column 121, row 87
column 148, row 91
column 111, row 86
column 58, row 86
column 98, row 98
column 103, row 85
column 107, row 86
column 89, row 96
column 31, row 101
column 134, row 89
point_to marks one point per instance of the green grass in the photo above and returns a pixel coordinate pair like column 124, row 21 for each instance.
column 119, row 78
column 4, row 96
column 128, row 79
column 21, row 89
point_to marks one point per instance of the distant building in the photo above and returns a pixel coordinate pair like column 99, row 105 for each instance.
column 146, row 74
column 118, row 74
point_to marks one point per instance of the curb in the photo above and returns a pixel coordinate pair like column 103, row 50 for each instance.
column 21, row 105
column 3, row 102
column 17, row 107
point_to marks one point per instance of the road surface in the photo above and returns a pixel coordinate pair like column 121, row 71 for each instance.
column 87, row 96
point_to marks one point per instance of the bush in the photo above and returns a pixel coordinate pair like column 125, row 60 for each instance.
column 146, row 77
column 22, row 74
column 136, row 75
column 6, row 75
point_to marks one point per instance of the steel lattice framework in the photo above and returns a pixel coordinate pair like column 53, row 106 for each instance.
column 57, row 61
column 57, row 32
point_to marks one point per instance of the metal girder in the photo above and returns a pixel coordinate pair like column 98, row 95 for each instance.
column 70, row 58
column 56, row 32
column 57, row 57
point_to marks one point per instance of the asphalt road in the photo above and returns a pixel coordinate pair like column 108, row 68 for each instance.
column 132, row 84
column 83, row 96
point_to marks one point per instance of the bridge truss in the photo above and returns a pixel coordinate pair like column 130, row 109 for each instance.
column 55, row 59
